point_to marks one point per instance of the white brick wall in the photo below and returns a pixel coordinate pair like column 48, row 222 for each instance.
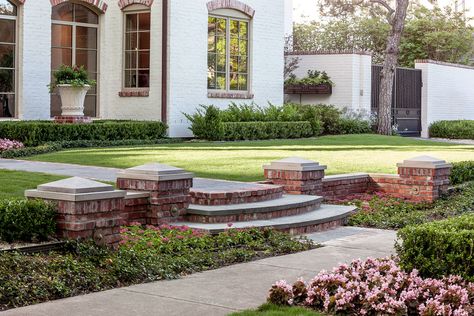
column 187, row 86
column 447, row 93
column 111, row 59
column 188, row 58
column 351, row 74
column 35, row 51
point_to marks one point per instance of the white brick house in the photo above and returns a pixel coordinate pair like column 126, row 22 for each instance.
column 153, row 60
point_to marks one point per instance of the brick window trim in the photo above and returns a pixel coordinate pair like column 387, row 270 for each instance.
column 230, row 95
column 125, row 3
column 98, row 4
column 134, row 93
column 231, row 4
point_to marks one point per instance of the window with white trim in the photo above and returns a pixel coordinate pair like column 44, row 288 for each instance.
column 137, row 50
column 228, row 54
column 8, row 24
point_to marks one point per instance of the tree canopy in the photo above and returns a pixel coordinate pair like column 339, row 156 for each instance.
column 430, row 33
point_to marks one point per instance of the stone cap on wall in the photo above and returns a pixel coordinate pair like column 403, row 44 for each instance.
column 295, row 164
column 425, row 162
column 155, row 172
column 75, row 189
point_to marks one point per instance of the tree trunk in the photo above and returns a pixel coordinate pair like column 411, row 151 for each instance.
column 389, row 68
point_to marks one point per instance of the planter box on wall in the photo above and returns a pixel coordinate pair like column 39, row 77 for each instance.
column 308, row 89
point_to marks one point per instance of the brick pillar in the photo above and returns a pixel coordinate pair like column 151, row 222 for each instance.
column 424, row 178
column 86, row 209
column 168, row 188
column 296, row 175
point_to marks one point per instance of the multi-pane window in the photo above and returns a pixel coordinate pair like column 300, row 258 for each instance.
column 8, row 15
column 137, row 50
column 228, row 54
column 74, row 41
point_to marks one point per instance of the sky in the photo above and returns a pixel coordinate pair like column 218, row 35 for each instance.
column 306, row 10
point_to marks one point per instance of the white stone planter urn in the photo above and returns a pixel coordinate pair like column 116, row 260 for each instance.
column 72, row 99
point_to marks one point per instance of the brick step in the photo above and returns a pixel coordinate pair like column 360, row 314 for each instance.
column 287, row 205
column 324, row 218
column 221, row 192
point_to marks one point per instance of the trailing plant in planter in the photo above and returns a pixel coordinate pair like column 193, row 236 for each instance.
column 316, row 82
column 72, row 83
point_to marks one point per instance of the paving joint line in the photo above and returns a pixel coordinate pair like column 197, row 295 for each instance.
column 179, row 299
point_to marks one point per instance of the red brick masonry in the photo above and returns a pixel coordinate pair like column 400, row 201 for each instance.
column 235, row 196
column 412, row 183
column 100, row 220
column 168, row 200
column 297, row 182
column 72, row 119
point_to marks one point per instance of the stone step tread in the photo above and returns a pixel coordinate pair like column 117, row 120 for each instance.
column 326, row 213
column 284, row 203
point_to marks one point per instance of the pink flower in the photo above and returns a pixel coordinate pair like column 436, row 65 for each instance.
column 230, row 225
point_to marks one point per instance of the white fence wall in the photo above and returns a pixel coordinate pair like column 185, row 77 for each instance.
column 351, row 73
column 447, row 93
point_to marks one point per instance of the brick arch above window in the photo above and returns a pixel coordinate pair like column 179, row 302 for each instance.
column 100, row 5
column 125, row 3
column 231, row 4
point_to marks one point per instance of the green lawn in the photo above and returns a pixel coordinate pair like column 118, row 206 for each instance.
column 272, row 310
column 244, row 160
column 14, row 183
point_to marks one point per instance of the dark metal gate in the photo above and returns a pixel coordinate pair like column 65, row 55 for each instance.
column 406, row 100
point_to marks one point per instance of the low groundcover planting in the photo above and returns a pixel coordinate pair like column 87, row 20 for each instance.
column 379, row 210
column 377, row 287
column 145, row 254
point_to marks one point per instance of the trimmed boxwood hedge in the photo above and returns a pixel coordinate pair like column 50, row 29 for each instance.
column 35, row 133
column 439, row 248
column 462, row 172
column 462, row 129
column 265, row 130
column 26, row 220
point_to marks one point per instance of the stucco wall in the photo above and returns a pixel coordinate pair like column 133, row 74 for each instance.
column 447, row 93
column 188, row 58
column 351, row 74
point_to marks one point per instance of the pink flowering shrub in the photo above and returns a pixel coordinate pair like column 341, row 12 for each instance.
column 378, row 287
column 6, row 144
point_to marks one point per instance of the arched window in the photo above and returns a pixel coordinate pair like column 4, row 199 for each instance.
column 74, row 41
column 228, row 51
column 8, row 25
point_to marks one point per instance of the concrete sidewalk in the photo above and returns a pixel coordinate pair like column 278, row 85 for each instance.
column 223, row 291
column 61, row 169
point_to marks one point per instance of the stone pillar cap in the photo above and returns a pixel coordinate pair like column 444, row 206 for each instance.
column 75, row 189
column 426, row 162
column 295, row 164
column 155, row 172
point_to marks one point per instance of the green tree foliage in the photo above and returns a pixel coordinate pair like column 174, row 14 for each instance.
column 438, row 33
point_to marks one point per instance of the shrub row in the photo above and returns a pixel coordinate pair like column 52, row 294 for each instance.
column 207, row 122
column 462, row 172
column 439, row 248
column 26, row 220
column 145, row 255
column 35, row 133
column 61, row 145
column 463, row 129
column 265, row 130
